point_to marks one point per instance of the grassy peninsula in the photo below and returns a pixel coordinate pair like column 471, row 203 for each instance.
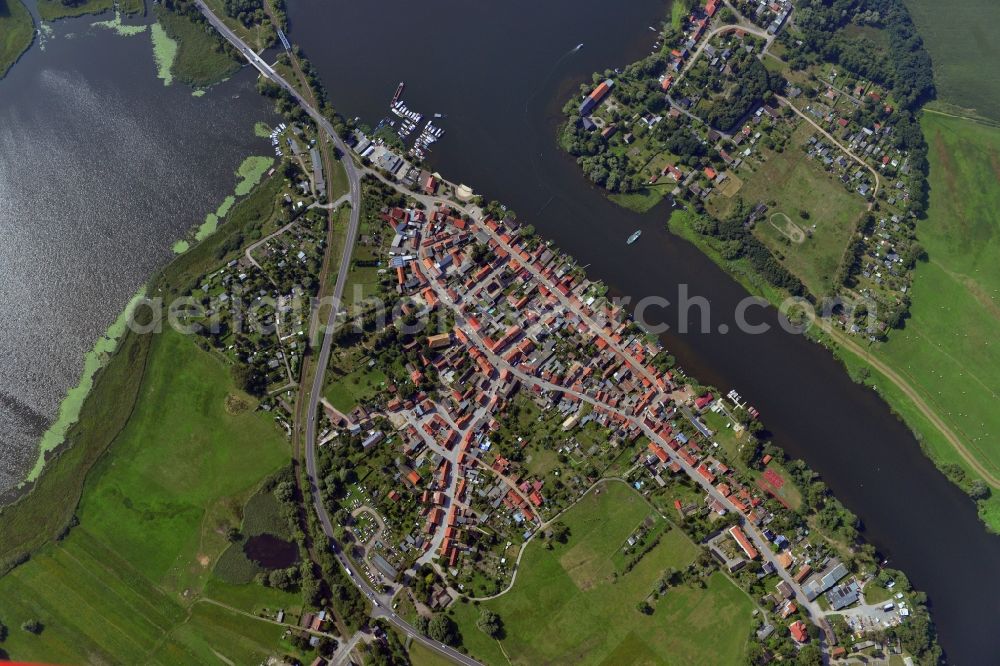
column 17, row 30
column 202, row 58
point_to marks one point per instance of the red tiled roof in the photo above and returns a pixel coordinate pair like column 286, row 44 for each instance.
column 798, row 631
column 743, row 541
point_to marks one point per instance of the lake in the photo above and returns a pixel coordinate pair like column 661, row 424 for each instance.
column 102, row 168
column 501, row 72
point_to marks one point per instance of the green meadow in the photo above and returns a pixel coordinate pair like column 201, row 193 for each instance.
column 812, row 247
column 948, row 348
column 126, row 585
column 573, row 604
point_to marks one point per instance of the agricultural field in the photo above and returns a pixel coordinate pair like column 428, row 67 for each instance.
column 126, row 584
column 16, row 32
column 944, row 350
column 563, row 595
column 813, row 216
column 961, row 47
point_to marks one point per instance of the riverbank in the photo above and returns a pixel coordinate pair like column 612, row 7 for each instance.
column 248, row 175
column 93, row 362
column 825, row 250
column 17, row 32
column 182, row 48
column 98, row 411
column 916, row 349
column 944, row 350
column 201, row 57
column 53, row 10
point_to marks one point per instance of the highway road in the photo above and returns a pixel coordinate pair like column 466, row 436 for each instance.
column 381, row 603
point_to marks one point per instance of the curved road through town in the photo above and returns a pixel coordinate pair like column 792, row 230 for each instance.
column 379, row 601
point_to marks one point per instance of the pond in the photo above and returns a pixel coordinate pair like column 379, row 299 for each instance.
column 270, row 551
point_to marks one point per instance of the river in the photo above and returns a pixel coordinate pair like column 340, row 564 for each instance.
column 102, row 168
column 501, row 72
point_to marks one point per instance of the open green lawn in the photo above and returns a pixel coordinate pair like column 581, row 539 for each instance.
column 946, row 350
column 201, row 57
column 421, row 656
column 338, row 181
column 678, row 12
column 570, row 605
column 363, row 281
column 962, row 43
column 119, row 588
column 359, row 382
column 17, row 30
column 798, row 184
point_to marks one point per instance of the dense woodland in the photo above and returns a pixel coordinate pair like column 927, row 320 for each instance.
column 247, row 12
column 901, row 63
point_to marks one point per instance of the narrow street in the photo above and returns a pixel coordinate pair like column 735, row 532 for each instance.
column 311, row 403
column 571, row 304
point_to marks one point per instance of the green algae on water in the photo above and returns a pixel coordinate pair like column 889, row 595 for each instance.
column 95, row 359
column 207, row 227
column 212, row 220
column 250, row 173
column 224, row 207
column 116, row 25
column 164, row 52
